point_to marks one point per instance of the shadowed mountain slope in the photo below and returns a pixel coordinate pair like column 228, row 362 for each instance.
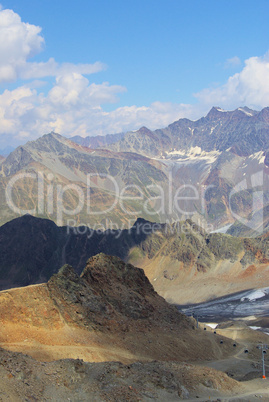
column 176, row 258
column 32, row 249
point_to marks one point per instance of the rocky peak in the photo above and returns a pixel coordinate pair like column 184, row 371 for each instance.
column 109, row 294
column 145, row 225
column 264, row 114
column 17, row 160
column 103, row 270
column 215, row 113
column 144, row 130
column 67, row 273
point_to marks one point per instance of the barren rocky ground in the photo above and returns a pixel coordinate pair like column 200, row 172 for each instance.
column 23, row 378
column 108, row 336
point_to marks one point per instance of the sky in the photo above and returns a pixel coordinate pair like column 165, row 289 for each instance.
column 98, row 67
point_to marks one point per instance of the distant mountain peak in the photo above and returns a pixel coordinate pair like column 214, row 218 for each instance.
column 215, row 112
column 247, row 111
column 144, row 129
column 98, row 141
column 264, row 114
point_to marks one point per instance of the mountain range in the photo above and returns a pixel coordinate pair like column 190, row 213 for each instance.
column 104, row 240
column 213, row 170
column 98, row 141
column 243, row 131
column 177, row 258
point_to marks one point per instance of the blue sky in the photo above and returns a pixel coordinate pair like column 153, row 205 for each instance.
column 130, row 63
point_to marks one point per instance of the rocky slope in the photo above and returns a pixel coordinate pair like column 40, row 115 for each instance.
column 182, row 261
column 22, row 377
column 32, row 249
column 214, row 170
column 99, row 141
column 244, row 130
column 52, row 176
column 187, row 265
column 223, row 157
column 109, row 312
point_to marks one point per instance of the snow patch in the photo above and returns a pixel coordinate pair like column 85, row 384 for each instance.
column 212, row 129
column 191, row 130
column 244, row 111
column 195, row 153
column 223, row 229
column 212, row 325
column 256, row 294
column 259, row 156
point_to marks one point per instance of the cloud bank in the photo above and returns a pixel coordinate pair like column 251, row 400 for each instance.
column 249, row 87
column 19, row 41
column 74, row 104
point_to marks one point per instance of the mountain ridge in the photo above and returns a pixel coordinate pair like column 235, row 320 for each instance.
column 232, row 129
column 188, row 169
column 98, row 141
column 174, row 257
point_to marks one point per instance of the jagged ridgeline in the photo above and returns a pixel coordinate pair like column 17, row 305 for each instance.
column 173, row 256
column 194, row 169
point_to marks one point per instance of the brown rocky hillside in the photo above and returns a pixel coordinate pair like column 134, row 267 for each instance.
column 187, row 265
column 23, row 378
column 109, row 312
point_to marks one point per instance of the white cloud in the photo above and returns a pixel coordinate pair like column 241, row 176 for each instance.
column 73, row 91
column 74, row 104
column 19, row 42
column 157, row 115
column 53, row 69
column 249, row 87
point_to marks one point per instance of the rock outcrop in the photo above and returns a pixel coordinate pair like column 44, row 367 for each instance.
column 109, row 312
